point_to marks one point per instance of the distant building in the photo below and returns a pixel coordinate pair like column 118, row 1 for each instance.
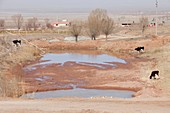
column 61, row 24
column 152, row 24
column 126, row 24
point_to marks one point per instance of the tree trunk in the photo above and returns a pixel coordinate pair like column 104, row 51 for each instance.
column 76, row 38
column 143, row 30
column 106, row 37
column 94, row 38
column 18, row 28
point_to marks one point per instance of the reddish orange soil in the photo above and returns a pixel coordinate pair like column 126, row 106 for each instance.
column 83, row 76
column 123, row 77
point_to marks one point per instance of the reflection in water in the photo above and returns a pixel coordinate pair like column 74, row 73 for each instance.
column 100, row 61
column 84, row 59
column 42, row 78
column 78, row 92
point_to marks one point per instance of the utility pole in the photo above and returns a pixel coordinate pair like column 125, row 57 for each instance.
column 156, row 23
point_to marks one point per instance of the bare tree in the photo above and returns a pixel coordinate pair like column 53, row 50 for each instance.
column 2, row 24
column 143, row 24
column 18, row 20
column 28, row 25
column 32, row 23
column 75, row 29
column 46, row 20
column 95, row 22
column 108, row 26
column 48, row 24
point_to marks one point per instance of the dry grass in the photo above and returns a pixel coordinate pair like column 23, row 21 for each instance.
column 163, row 60
column 161, row 63
column 10, row 87
column 64, row 31
column 10, row 56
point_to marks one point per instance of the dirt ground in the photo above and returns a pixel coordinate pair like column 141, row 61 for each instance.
column 152, row 96
column 77, row 105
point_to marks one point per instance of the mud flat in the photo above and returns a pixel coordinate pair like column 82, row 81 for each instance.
column 88, row 70
column 151, row 96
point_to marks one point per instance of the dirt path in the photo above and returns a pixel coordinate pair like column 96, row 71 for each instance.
column 85, row 106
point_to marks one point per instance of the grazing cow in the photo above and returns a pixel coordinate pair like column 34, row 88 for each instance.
column 17, row 42
column 154, row 75
column 139, row 49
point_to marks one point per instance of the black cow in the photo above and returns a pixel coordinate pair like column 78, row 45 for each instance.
column 139, row 49
column 17, row 42
column 154, row 74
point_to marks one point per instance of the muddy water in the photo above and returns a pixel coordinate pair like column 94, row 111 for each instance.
column 101, row 61
column 79, row 58
column 79, row 92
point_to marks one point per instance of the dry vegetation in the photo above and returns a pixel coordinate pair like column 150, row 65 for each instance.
column 157, row 51
column 18, row 20
column 10, row 56
column 143, row 24
column 76, row 29
column 98, row 23
column 162, row 63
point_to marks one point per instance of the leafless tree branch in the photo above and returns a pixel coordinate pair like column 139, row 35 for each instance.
column 75, row 29
column 2, row 24
column 18, row 20
column 143, row 24
column 95, row 22
column 108, row 26
column 32, row 23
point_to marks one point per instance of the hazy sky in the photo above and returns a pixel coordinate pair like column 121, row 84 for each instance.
column 83, row 5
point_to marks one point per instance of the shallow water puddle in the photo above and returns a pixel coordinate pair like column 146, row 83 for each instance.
column 100, row 61
column 79, row 58
column 79, row 92
column 42, row 78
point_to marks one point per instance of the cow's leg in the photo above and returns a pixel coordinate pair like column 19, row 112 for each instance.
column 156, row 76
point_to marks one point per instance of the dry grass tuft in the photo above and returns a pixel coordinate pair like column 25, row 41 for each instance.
column 10, row 87
column 161, row 63
column 10, row 84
